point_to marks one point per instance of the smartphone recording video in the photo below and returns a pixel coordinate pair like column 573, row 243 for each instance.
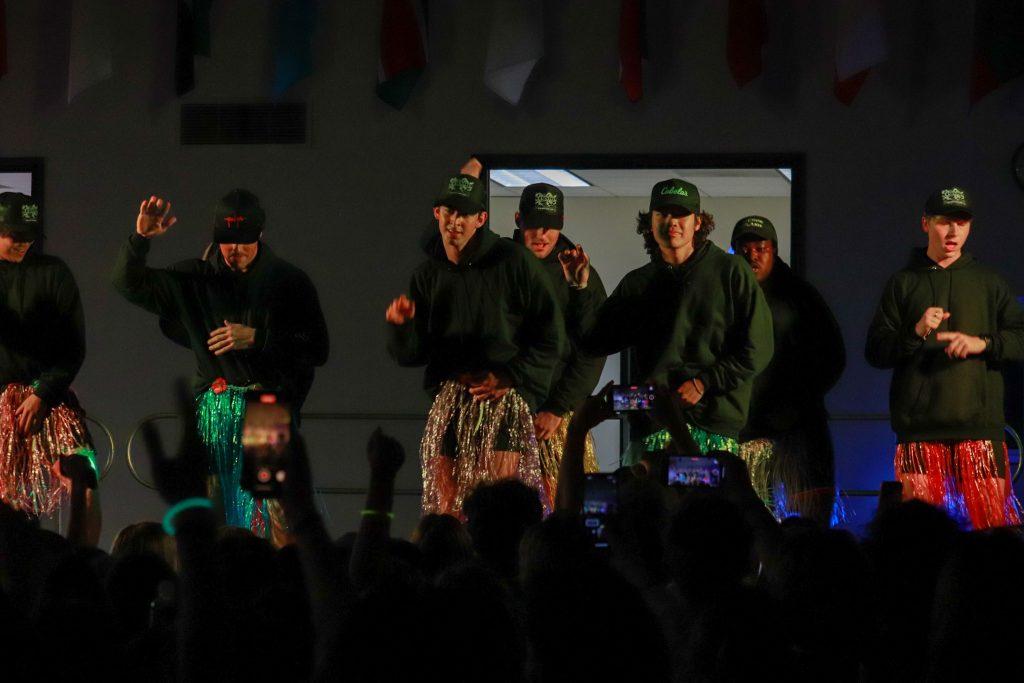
column 694, row 472
column 625, row 398
column 266, row 434
column 600, row 499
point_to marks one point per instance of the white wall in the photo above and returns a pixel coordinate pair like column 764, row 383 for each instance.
column 347, row 206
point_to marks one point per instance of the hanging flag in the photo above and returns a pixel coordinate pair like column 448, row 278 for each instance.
column 192, row 38
column 293, row 58
column 403, row 50
column 3, row 38
column 746, row 38
column 516, row 45
column 860, row 47
column 632, row 47
column 998, row 45
column 184, row 50
column 90, row 56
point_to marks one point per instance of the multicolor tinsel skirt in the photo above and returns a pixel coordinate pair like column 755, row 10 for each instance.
column 970, row 479
column 794, row 475
column 221, row 415
column 551, row 458
column 467, row 442
column 30, row 476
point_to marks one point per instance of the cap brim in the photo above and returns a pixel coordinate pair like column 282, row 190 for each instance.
column 542, row 220
column 671, row 205
column 19, row 233
column 461, row 204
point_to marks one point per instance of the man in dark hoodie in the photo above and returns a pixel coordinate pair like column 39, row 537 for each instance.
column 252, row 319
column 786, row 442
column 539, row 222
column 482, row 317
column 694, row 316
column 946, row 324
column 42, row 347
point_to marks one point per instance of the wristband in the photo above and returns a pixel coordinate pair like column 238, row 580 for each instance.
column 377, row 513
column 693, row 380
column 180, row 507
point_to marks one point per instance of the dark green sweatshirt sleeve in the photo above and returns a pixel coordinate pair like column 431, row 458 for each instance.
column 582, row 371
column 407, row 344
column 751, row 339
column 300, row 333
column 150, row 288
column 890, row 338
column 53, row 382
column 1008, row 338
column 544, row 341
column 602, row 328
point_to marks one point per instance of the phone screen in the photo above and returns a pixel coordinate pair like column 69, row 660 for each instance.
column 600, row 499
column 700, row 471
column 626, row 398
column 266, row 433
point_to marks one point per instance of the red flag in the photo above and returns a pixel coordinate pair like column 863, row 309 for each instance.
column 747, row 36
column 403, row 50
column 632, row 48
column 3, row 37
column 861, row 46
column 998, row 45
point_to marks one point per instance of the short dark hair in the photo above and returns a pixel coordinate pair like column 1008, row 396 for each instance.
column 643, row 228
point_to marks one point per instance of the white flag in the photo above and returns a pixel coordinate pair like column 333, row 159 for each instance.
column 90, row 55
column 516, row 45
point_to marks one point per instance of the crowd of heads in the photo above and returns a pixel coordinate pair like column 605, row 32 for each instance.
column 693, row 586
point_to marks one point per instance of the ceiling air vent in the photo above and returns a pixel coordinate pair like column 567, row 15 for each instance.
column 282, row 123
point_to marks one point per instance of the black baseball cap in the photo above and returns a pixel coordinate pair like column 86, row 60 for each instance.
column 464, row 193
column 756, row 227
column 541, row 206
column 238, row 218
column 675, row 192
column 949, row 201
column 20, row 217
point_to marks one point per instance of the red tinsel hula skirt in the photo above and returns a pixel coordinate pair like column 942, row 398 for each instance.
column 30, row 476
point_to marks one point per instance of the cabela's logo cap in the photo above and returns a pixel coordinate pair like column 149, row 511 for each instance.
column 462, row 192
column 949, row 201
column 753, row 227
column 20, row 216
column 238, row 218
column 675, row 193
column 541, row 206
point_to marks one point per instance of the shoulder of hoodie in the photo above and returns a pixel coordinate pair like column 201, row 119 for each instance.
column 51, row 265
column 909, row 274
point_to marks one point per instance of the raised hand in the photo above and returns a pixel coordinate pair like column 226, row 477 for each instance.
column 575, row 266
column 594, row 410
column 80, row 468
column 183, row 476
column 401, row 310
column 155, row 217
column 930, row 321
column 231, row 337
column 384, row 454
column 472, row 167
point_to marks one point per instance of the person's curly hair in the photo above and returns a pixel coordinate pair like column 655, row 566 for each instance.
column 643, row 228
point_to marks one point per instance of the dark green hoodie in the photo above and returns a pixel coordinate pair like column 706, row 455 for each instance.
column 196, row 296
column 706, row 318
column 494, row 311
column 42, row 329
column 934, row 397
column 575, row 378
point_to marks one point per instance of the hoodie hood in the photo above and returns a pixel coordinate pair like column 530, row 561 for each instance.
column 479, row 246
column 919, row 260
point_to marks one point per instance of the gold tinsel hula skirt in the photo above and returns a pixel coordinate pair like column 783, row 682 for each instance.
column 467, row 442
column 30, row 476
column 551, row 452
